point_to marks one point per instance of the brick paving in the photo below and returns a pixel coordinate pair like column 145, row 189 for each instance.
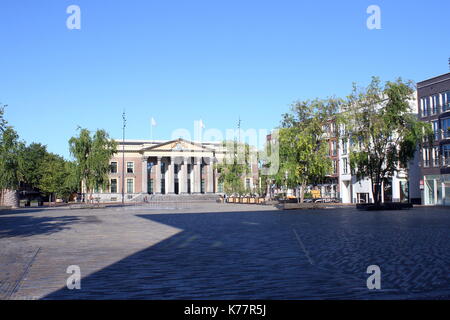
column 224, row 251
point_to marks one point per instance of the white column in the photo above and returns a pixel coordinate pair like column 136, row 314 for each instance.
column 209, row 173
column 191, row 175
column 157, row 181
column 170, row 179
column 183, row 178
column 197, row 179
column 144, row 188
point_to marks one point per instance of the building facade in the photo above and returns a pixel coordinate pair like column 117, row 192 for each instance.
column 177, row 167
column 403, row 186
column 434, row 107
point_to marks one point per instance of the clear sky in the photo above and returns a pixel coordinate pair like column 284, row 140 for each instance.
column 215, row 60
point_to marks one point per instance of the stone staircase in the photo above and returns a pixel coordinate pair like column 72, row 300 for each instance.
column 176, row 198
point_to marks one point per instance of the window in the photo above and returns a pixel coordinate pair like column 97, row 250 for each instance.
column 130, row 187
column 435, row 156
column 220, row 187
column 436, row 130
column 424, row 106
column 352, row 142
column 426, row 157
column 362, row 198
column 113, row 167
column 113, row 187
column 446, row 154
column 345, row 165
column 335, row 167
column 445, row 125
column 333, row 148
column 333, row 129
column 446, row 101
column 435, row 104
column 247, row 184
column 344, row 146
column 130, row 167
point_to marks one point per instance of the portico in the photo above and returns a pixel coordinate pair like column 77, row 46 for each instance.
column 178, row 174
column 178, row 167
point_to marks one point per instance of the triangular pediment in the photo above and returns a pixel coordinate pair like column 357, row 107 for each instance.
column 178, row 145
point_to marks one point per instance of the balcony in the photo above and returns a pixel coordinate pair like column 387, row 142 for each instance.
column 441, row 134
column 436, row 162
column 446, row 107
column 446, row 162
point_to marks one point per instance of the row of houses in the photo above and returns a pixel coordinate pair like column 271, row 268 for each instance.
column 181, row 167
column 427, row 178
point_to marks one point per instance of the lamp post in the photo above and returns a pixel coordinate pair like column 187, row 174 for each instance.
column 124, row 122
column 286, row 175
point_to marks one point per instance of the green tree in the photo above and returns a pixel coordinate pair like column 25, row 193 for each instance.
column 3, row 122
column 59, row 177
column 304, row 151
column 234, row 167
column 9, row 160
column 92, row 154
column 53, row 175
column 71, row 181
column 31, row 161
column 383, row 131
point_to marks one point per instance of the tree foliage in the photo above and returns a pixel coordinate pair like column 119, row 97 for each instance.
column 31, row 161
column 304, row 151
column 10, row 147
column 383, row 130
column 92, row 155
column 58, row 177
column 3, row 122
column 235, row 166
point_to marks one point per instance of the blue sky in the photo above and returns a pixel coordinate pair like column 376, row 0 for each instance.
column 215, row 60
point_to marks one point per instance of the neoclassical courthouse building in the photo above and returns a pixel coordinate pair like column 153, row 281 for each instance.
column 176, row 167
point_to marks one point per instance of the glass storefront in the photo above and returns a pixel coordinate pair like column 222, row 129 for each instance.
column 404, row 191
column 429, row 192
column 446, row 201
column 437, row 190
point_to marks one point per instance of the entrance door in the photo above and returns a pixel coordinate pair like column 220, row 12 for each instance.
column 429, row 192
column 362, row 197
column 387, row 189
column 177, row 187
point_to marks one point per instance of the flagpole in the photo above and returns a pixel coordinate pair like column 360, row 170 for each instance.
column 123, row 156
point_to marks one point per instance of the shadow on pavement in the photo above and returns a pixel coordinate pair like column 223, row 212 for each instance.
column 227, row 255
column 25, row 226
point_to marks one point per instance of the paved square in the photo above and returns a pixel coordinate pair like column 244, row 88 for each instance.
column 224, row 251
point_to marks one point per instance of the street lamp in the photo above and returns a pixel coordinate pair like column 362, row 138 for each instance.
column 286, row 174
column 124, row 121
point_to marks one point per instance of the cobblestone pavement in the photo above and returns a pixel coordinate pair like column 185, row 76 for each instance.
column 224, row 251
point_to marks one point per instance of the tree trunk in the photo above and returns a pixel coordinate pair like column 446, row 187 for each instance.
column 302, row 192
column 376, row 190
column 10, row 198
